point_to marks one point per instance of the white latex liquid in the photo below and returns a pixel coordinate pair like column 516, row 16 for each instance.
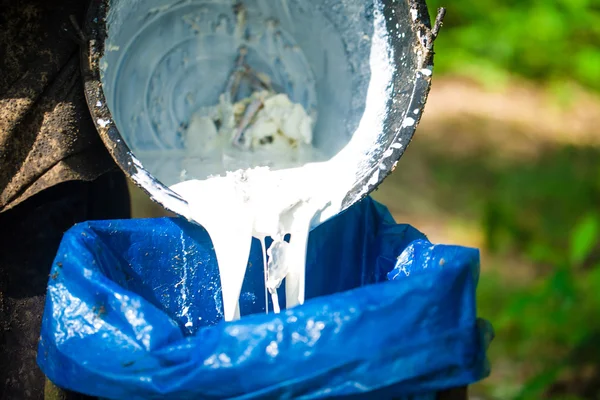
column 259, row 202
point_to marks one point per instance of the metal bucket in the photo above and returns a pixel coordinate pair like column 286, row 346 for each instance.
column 362, row 68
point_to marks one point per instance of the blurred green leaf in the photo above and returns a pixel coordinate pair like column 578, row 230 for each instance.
column 587, row 63
column 541, row 40
column 584, row 238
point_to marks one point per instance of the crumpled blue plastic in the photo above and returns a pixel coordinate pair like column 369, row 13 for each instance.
column 134, row 311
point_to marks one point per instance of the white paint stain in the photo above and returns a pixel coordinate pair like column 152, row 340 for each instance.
column 414, row 13
column 374, row 179
column 408, row 121
column 103, row 122
column 184, row 285
column 273, row 349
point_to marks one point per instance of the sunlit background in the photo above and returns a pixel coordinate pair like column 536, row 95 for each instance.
column 507, row 159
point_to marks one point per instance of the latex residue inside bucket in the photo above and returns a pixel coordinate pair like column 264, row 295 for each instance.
column 166, row 60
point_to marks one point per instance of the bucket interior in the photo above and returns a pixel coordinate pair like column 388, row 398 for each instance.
column 343, row 61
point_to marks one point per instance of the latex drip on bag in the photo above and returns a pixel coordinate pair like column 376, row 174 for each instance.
column 134, row 311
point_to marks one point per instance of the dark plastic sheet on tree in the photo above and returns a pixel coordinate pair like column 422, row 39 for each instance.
column 134, row 312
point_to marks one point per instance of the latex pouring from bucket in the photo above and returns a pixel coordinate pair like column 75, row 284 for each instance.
column 258, row 119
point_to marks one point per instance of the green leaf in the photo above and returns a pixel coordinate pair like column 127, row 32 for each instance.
column 584, row 238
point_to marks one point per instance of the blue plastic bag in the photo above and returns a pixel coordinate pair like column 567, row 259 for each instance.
column 134, row 311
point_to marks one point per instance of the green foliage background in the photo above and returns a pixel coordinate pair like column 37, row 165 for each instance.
column 544, row 40
column 547, row 214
